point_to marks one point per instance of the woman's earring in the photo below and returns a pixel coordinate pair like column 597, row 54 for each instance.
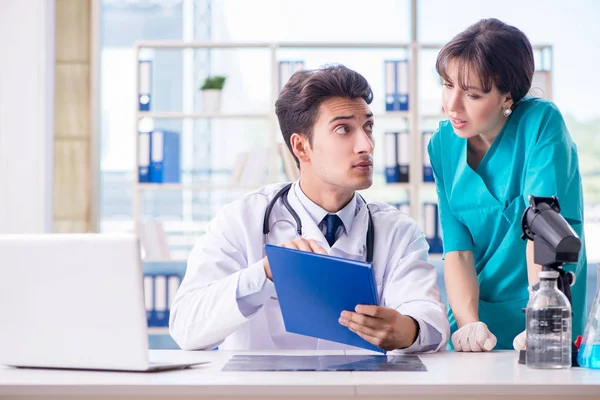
column 507, row 112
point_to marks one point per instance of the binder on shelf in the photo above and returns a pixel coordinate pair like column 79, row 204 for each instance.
column 390, row 84
column 161, row 315
column 173, row 283
column 427, row 171
column 149, row 298
column 402, row 86
column 392, row 173
column 165, row 166
column 403, row 154
column 145, row 84
column 161, row 282
column 396, row 85
column 431, row 227
column 287, row 68
column 159, row 292
column 144, row 157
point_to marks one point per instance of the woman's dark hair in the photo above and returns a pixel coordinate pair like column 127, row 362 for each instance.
column 297, row 107
column 498, row 53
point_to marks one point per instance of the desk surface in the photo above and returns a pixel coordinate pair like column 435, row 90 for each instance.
column 449, row 375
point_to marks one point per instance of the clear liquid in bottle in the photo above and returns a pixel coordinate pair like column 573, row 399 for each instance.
column 548, row 326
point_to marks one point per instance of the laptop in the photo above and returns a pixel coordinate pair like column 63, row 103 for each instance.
column 74, row 301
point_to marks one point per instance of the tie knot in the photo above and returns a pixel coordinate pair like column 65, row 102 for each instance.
column 332, row 223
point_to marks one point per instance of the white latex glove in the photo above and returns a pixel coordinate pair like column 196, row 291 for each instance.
column 520, row 341
column 474, row 337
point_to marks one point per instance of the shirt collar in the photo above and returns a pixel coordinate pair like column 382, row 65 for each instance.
column 317, row 213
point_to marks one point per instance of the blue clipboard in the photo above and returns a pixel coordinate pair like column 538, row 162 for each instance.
column 313, row 289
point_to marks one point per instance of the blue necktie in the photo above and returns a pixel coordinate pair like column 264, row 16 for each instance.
column 332, row 223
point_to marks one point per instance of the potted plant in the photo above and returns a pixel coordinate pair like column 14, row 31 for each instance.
column 211, row 89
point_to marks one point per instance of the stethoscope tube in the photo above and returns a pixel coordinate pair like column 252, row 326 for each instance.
column 282, row 194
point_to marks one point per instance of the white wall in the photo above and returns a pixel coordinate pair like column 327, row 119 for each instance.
column 26, row 115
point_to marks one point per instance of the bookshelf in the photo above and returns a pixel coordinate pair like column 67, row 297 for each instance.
column 415, row 120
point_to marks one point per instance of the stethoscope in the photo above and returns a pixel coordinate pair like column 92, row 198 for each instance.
column 282, row 194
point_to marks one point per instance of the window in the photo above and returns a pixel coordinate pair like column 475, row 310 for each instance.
column 570, row 28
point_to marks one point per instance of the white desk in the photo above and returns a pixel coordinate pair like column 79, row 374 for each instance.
column 450, row 376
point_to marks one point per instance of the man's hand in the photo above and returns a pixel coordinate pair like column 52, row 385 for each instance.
column 296, row 244
column 384, row 327
column 474, row 337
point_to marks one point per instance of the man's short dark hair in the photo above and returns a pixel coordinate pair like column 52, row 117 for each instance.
column 297, row 107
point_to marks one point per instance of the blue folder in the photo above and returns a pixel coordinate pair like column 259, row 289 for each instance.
column 313, row 289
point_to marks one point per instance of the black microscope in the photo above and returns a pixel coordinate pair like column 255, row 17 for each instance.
column 554, row 243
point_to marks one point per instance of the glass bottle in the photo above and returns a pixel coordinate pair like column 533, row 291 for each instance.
column 548, row 325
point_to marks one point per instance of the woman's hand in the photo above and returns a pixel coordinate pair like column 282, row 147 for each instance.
column 474, row 337
column 520, row 341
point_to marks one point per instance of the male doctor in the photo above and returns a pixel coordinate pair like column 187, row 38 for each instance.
column 227, row 298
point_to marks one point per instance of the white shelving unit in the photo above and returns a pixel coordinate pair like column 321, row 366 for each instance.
column 413, row 117
column 182, row 186
column 177, row 115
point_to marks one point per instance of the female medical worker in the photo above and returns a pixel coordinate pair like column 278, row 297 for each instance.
column 227, row 298
column 497, row 148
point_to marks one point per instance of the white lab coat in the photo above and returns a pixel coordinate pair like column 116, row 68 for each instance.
column 205, row 311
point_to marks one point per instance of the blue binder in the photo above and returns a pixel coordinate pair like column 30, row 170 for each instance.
column 432, row 228
column 403, row 156
column 402, row 90
column 427, row 171
column 144, row 157
column 165, row 165
column 145, row 85
column 314, row 289
column 396, row 74
column 390, row 147
column 161, row 281
column 390, row 84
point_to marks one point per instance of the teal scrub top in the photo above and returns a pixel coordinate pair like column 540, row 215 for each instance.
column 481, row 210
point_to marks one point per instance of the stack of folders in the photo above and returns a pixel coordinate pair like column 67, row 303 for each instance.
column 159, row 157
column 427, row 171
column 161, row 282
column 397, row 159
column 314, row 289
column 433, row 230
column 396, row 85
column 287, row 68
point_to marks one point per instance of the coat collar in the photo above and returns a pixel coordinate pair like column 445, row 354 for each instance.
column 317, row 213
column 350, row 244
